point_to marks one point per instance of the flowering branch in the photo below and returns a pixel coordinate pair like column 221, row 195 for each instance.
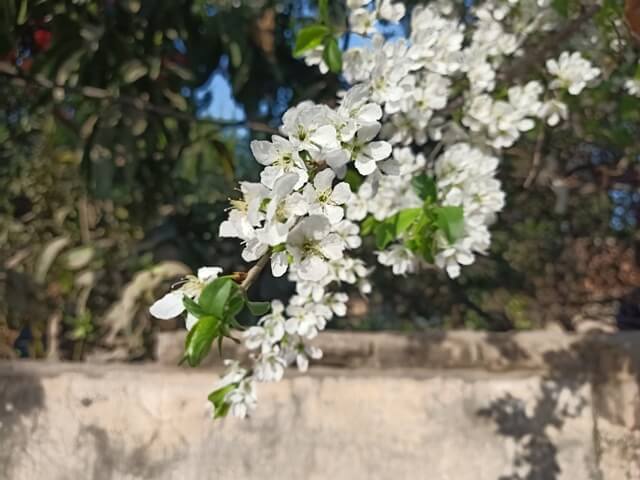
column 419, row 135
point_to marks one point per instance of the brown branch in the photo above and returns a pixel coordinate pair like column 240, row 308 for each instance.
column 255, row 270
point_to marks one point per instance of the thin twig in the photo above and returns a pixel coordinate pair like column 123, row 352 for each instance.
column 537, row 157
column 255, row 270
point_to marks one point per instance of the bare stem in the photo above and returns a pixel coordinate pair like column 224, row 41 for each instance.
column 254, row 271
column 537, row 158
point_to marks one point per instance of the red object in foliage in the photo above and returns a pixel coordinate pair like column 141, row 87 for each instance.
column 42, row 39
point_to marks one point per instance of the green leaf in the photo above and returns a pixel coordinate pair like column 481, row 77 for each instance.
column 405, row 218
column 332, row 55
column 368, row 225
column 193, row 307
column 451, row 221
column 309, row 37
column 354, row 179
column 200, row 338
column 220, row 407
column 393, row 227
column 234, row 305
column 385, row 234
column 425, row 187
column 215, row 295
column 259, row 308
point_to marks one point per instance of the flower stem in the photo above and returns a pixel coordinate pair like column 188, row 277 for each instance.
column 254, row 271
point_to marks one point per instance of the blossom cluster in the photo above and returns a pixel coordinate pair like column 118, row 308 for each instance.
column 296, row 216
column 434, row 105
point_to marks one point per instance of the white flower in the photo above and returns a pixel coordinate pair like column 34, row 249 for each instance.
column 452, row 257
column 392, row 12
column 363, row 21
column 268, row 332
column 309, row 127
column 280, row 157
column 315, row 56
column 245, row 213
column 302, row 321
column 234, row 374
column 358, row 204
column 270, row 366
column 365, row 153
column 632, row 86
column 304, row 353
column 572, row 72
column 242, row 399
column 171, row 305
column 312, row 245
column 337, row 302
column 323, row 200
column 283, row 209
column 399, row 258
column 350, row 233
column 554, row 111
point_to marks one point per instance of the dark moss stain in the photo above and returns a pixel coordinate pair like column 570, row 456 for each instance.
column 114, row 460
column 21, row 396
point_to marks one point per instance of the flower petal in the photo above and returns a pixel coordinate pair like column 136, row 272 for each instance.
column 169, row 306
column 264, row 151
column 279, row 264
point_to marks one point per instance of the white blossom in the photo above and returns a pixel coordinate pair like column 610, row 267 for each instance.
column 572, row 71
column 171, row 305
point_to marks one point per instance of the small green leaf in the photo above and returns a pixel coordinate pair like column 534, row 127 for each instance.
column 259, row 308
column 332, row 55
column 215, row 295
column 405, row 218
column 385, row 234
column 220, row 407
column 200, row 338
column 309, row 37
column 193, row 307
column 451, row 221
column 354, row 179
column 368, row 225
column 425, row 187
column 234, row 305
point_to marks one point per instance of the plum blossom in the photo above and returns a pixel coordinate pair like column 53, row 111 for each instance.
column 171, row 305
column 312, row 245
column 436, row 104
column 323, row 199
column 571, row 71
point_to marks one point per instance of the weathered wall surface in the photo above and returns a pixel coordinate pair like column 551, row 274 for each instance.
column 463, row 406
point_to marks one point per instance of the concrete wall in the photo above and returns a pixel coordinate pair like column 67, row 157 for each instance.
column 457, row 406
